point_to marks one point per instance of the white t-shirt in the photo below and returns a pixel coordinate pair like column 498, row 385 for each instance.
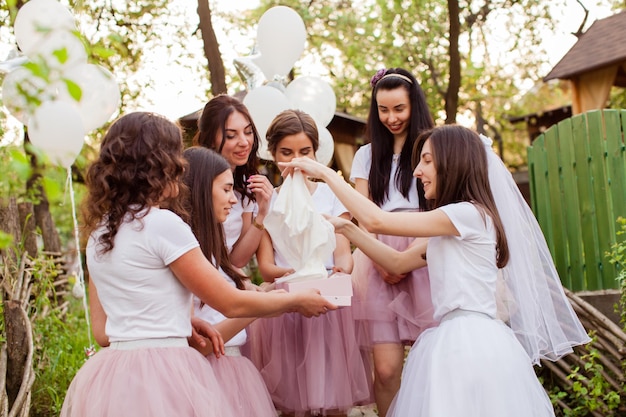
column 361, row 166
column 324, row 202
column 139, row 293
column 234, row 221
column 213, row 316
column 462, row 269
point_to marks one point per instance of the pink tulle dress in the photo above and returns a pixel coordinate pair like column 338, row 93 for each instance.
column 148, row 370
column 313, row 365
column 393, row 313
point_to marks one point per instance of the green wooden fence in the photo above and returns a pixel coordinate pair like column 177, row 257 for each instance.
column 577, row 172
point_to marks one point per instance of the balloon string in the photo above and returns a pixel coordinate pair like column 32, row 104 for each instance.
column 81, row 278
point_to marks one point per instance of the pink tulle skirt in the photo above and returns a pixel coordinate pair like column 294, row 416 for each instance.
column 243, row 386
column 146, row 382
column 394, row 313
column 312, row 364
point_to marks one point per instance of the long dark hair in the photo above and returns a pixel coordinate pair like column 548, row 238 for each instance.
column 212, row 123
column 204, row 166
column 462, row 174
column 381, row 138
column 140, row 159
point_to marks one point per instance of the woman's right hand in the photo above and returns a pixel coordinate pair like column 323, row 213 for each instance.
column 311, row 303
column 308, row 166
column 339, row 223
column 389, row 277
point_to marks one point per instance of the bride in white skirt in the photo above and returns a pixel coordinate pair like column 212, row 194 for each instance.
column 480, row 246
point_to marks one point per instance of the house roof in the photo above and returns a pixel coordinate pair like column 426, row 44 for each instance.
column 602, row 45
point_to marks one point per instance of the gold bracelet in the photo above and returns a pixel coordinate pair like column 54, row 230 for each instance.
column 258, row 226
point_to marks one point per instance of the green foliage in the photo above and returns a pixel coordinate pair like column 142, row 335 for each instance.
column 590, row 391
column 60, row 340
column 617, row 257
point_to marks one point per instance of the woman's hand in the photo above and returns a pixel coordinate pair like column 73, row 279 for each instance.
column 311, row 303
column 203, row 332
column 262, row 189
column 308, row 166
column 339, row 223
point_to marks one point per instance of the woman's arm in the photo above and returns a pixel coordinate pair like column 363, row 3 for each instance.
column 248, row 242
column 396, row 262
column 343, row 253
column 369, row 215
column 251, row 235
column 197, row 274
column 98, row 316
column 267, row 264
column 362, row 186
column 228, row 329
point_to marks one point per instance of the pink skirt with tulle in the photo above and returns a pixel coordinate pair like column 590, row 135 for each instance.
column 393, row 313
column 146, row 382
column 243, row 386
column 312, row 364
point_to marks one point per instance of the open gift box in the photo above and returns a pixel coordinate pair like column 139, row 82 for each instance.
column 336, row 288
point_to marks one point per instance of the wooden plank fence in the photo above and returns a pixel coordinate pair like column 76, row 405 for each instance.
column 577, row 174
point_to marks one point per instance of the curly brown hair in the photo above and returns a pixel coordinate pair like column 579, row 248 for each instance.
column 140, row 165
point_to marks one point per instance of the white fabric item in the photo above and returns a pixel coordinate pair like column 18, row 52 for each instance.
column 395, row 201
column 211, row 315
column 324, row 202
column 234, row 221
column 301, row 234
column 140, row 295
column 543, row 319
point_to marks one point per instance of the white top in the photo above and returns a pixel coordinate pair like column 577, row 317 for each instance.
column 462, row 269
column 324, row 202
column 361, row 166
column 139, row 293
column 213, row 316
column 234, row 221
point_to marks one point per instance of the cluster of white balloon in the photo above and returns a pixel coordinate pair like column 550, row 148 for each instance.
column 56, row 93
column 281, row 35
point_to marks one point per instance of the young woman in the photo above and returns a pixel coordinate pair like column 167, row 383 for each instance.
column 211, row 197
column 311, row 367
column 144, row 265
column 226, row 127
column 397, row 307
column 472, row 364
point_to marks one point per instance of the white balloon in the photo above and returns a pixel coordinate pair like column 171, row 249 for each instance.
column 326, row 150
column 314, row 96
column 60, row 49
column 22, row 92
column 280, row 38
column 38, row 17
column 264, row 103
column 100, row 93
column 57, row 129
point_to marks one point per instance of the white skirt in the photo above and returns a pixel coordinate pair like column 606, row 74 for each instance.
column 470, row 366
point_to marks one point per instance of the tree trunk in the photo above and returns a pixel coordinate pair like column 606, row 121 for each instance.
column 43, row 218
column 452, row 94
column 212, row 49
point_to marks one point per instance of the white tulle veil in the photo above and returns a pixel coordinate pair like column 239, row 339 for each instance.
column 539, row 312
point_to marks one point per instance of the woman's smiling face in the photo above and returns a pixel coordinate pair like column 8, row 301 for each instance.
column 426, row 171
column 239, row 140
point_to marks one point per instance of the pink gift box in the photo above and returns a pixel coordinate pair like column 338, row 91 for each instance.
column 336, row 288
